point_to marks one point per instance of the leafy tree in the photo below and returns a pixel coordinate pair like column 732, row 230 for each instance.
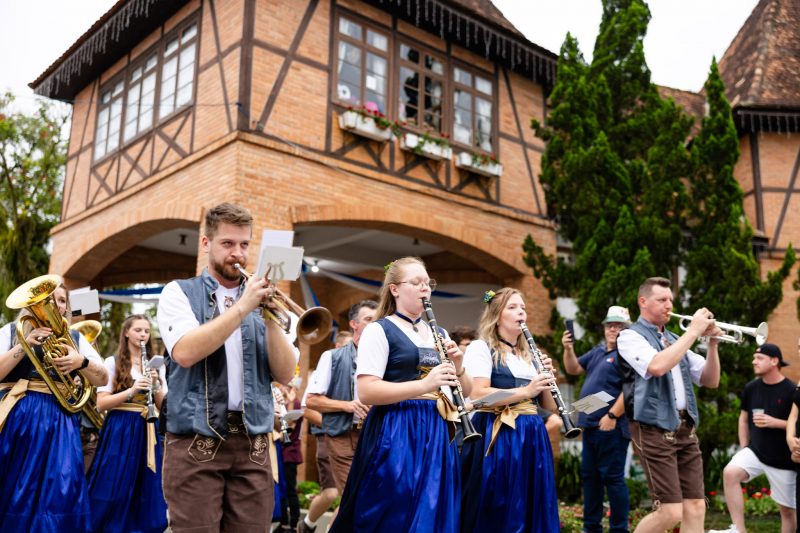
column 32, row 158
column 635, row 202
column 722, row 272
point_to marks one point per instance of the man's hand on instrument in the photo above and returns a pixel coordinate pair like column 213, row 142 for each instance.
column 702, row 320
column 441, row 375
column 712, row 332
column 255, row 291
column 72, row 360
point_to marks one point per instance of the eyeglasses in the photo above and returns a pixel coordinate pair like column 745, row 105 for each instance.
column 417, row 282
column 615, row 325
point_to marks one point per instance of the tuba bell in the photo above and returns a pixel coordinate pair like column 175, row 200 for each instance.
column 36, row 296
column 90, row 329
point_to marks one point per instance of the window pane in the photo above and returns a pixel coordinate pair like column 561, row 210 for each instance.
column 463, row 100
column 151, row 62
column 184, row 95
column 462, row 134
column 409, row 54
column 462, row 76
column 146, row 120
column 170, row 68
column 118, row 89
column 187, row 57
column 483, row 85
column 130, row 130
column 189, row 32
column 166, row 107
column 171, row 47
column 377, row 40
column 433, row 94
column 484, row 126
column 149, row 83
column 106, row 97
column 379, row 100
column 185, row 75
column 483, row 107
column 136, row 74
column 434, row 65
column 434, row 120
column 350, row 28
column 376, row 65
column 349, row 92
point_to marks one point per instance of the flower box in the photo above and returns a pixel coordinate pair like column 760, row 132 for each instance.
column 355, row 122
column 468, row 161
column 422, row 146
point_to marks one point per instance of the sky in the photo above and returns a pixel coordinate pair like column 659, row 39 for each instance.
column 682, row 38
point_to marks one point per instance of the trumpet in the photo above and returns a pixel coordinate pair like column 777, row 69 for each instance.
column 735, row 334
column 570, row 431
column 458, row 394
column 313, row 325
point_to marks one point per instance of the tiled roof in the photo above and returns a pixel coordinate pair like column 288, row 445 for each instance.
column 486, row 10
column 761, row 67
column 693, row 104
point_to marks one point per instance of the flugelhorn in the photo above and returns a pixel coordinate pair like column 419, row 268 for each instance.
column 735, row 334
column 313, row 324
column 570, row 431
column 36, row 296
column 458, row 394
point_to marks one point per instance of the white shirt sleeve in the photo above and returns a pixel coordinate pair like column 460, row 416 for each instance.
column 87, row 350
column 175, row 316
column 478, row 359
column 636, row 351
column 5, row 338
column 311, row 380
column 373, row 351
column 322, row 379
column 696, row 365
column 162, row 373
column 111, row 366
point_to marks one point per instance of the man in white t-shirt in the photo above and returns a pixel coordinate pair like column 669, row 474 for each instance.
column 219, row 414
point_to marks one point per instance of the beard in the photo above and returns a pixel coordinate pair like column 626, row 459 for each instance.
column 227, row 270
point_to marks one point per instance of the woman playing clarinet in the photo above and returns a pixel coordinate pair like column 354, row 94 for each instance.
column 405, row 473
column 125, row 477
column 508, row 477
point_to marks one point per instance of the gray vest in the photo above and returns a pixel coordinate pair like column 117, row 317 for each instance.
column 654, row 398
column 198, row 395
column 343, row 371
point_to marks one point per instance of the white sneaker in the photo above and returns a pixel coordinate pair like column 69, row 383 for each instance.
column 731, row 529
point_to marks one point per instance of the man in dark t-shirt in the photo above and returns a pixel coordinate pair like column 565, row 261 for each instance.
column 766, row 404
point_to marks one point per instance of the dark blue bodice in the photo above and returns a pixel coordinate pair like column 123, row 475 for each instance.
column 405, row 357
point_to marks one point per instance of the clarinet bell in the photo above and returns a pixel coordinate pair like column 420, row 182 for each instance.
column 151, row 413
column 470, row 432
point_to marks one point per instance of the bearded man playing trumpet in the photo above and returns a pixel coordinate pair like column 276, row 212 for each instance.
column 218, row 455
column 662, row 408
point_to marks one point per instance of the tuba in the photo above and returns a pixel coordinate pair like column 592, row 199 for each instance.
column 90, row 329
column 313, row 325
column 36, row 296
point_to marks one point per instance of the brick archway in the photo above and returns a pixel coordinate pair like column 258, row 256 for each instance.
column 114, row 241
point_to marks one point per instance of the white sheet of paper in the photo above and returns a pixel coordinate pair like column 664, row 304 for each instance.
column 283, row 262
column 592, row 403
column 275, row 237
column 492, row 399
column 293, row 415
column 84, row 301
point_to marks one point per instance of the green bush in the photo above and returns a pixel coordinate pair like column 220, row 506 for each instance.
column 568, row 477
column 637, row 491
column 306, row 490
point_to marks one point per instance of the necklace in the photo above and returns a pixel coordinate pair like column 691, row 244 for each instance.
column 513, row 348
column 410, row 321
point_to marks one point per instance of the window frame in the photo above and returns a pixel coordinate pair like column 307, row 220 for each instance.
column 491, row 77
column 446, row 106
column 365, row 48
column 107, row 87
column 125, row 74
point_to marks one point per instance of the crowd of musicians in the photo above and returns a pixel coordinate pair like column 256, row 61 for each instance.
column 415, row 430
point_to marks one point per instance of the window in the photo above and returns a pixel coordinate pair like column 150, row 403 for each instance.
column 362, row 67
column 177, row 72
column 472, row 110
column 141, row 98
column 109, row 119
column 421, row 88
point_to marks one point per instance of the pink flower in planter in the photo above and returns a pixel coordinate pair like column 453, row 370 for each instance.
column 372, row 107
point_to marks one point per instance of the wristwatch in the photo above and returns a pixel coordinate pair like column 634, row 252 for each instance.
column 612, row 416
column 85, row 363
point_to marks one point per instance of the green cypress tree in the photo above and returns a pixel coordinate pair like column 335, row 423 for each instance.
column 722, row 272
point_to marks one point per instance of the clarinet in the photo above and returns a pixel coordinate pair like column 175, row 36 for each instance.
column 569, row 428
column 286, row 438
column 151, row 407
column 458, row 393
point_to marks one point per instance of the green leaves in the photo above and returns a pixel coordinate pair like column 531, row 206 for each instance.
column 32, row 159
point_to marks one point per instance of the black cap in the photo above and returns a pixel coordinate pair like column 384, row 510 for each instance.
column 772, row 350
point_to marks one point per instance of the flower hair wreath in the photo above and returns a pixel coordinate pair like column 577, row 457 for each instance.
column 488, row 296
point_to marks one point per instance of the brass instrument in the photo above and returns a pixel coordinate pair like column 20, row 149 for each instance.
column 90, row 329
column 36, row 296
column 286, row 438
column 570, row 431
column 151, row 407
column 313, row 324
column 458, row 394
column 735, row 333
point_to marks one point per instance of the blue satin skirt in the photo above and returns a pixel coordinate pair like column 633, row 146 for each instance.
column 42, row 486
column 405, row 474
column 513, row 489
column 125, row 494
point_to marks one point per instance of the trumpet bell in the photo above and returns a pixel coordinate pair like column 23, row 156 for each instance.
column 314, row 325
column 761, row 333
